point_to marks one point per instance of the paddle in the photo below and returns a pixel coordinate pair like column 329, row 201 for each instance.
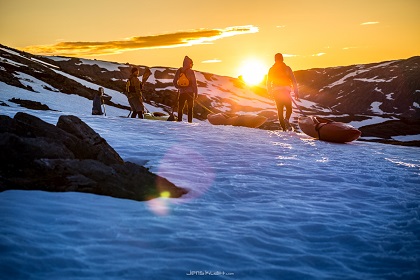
column 297, row 106
column 103, row 104
column 146, row 75
column 204, row 107
column 171, row 115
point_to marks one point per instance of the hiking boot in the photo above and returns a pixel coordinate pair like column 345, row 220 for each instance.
column 288, row 126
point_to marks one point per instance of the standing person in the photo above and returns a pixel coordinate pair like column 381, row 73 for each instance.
column 280, row 81
column 97, row 102
column 135, row 98
column 186, row 84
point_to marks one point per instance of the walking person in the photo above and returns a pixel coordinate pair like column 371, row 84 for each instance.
column 186, row 84
column 97, row 102
column 280, row 83
column 134, row 94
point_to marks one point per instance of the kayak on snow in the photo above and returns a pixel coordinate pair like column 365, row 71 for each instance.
column 252, row 121
column 328, row 130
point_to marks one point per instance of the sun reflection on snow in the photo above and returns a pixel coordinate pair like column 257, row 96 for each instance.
column 323, row 159
column 293, row 157
column 311, row 142
column 283, row 145
column 399, row 162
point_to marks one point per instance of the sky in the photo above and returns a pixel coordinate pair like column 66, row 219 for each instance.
column 222, row 37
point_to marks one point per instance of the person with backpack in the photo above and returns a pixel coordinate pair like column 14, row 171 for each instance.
column 280, row 81
column 134, row 94
column 186, row 84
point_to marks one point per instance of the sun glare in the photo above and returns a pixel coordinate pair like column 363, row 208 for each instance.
column 253, row 72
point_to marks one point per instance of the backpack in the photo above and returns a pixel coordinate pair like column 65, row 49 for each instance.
column 129, row 88
column 280, row 75
column 183, row 80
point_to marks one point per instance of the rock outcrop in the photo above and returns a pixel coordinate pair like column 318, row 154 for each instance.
column 70, row 156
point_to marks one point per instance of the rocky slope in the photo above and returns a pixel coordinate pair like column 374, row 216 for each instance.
column 391, row 87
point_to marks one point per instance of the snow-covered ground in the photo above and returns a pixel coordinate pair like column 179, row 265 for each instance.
column 262, row 205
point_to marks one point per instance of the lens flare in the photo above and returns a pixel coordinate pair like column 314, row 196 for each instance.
column 159, row 206
column 186, row 168
column 165, row 194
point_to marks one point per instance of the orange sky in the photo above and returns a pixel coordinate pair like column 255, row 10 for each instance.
column 218, row 35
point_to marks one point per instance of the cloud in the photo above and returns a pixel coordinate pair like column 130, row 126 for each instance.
column 211, row 61
column 369, row 23
column 170, row 40
column 289, row 55
column 349, row 48
column 319, row 54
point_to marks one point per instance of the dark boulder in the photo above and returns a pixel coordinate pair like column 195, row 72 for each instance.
column 71, row 156
column 98, row 148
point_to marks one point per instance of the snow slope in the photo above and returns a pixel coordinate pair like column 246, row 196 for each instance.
column 262, row 205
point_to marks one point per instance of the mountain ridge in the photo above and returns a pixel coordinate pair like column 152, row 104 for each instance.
column 363, row 94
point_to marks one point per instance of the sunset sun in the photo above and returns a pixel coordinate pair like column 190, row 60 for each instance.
column 252, row 72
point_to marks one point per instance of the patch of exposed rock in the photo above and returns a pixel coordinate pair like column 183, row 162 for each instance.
column 33, row 105
column 70, row 156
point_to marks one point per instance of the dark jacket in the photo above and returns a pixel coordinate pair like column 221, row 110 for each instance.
column 186, row 69
column 135, row 99
column 97, row 103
